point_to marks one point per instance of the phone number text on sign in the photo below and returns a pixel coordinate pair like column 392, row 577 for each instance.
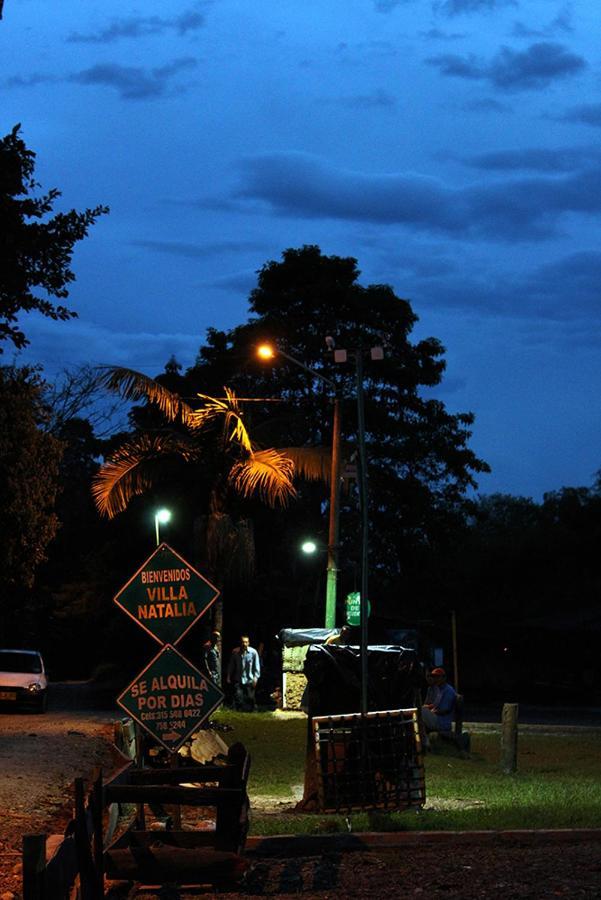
column 171, row 698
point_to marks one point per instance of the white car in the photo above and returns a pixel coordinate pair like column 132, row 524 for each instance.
column 23, row 680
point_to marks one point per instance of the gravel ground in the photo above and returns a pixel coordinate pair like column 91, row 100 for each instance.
column 445, row 871
column 40, row 756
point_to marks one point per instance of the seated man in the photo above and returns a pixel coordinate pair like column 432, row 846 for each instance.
column 439, row 705
column 343, row 636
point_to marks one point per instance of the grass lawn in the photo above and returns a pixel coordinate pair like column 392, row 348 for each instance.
column 558, row 783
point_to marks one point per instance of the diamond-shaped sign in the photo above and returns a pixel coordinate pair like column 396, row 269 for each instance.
column 166, row 596
column 170, row 698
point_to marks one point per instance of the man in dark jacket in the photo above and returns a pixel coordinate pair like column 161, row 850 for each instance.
column 211, row 658
column 243, row 673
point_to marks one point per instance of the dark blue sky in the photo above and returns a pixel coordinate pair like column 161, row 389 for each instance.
column 451, row 146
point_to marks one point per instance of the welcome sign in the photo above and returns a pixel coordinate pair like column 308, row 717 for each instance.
column 166, row 596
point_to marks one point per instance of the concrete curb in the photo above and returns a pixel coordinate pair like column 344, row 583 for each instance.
column 527, row 728
column 315, row 845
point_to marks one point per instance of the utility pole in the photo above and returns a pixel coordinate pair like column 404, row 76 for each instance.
column 341, row 356
column 268, row 351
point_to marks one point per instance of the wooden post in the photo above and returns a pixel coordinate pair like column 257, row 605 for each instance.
column 455, row 659
column 88, row 882
column 139, row 760
column 177, row 810
column 34, row 864
column 96, row 807
column 509, row 738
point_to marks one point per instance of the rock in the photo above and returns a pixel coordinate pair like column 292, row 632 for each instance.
column 206, row 745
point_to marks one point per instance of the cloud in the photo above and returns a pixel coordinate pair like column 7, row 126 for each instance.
column 459, row 7
column 133, row 82
column 536, row 67
column 141, row 26
column 572, row 281
column 435, row 34
column 386, row 6
column 486, row 104
column 299, row 184
column 564, row 291
column 198, row 251
column 588, row 113
column 29, row 80
column 566, row 159
column 85, row 343
column 377, row 99
column 561, row 23
column 240, row 282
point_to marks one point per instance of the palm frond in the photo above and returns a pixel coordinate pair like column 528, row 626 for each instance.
column 267, row 474
column 229, row 408
column 133, row 469
column 311, row 463
column 135, row 386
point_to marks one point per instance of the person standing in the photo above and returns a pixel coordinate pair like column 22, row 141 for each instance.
column 211, row 657
column 243, row 673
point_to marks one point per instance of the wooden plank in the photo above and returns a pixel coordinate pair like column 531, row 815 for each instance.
column 85, row 863
column 160, row 864
column 160, row 793
column 61, row 870
column 199, row 774
column 34, row 865
column 181, row 839
column 96, row 804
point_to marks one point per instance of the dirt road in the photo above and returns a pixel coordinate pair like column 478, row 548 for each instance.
column 40, row 756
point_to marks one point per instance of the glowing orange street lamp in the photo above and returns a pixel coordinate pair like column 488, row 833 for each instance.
column 268, row 351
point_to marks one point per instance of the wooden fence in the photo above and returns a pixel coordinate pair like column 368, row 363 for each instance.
column 74, row 864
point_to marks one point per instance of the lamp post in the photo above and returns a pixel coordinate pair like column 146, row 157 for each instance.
column 269, row 351
column 161, row 516
column 341, row 356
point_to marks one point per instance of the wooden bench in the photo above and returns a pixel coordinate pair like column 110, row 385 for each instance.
column 178, row 856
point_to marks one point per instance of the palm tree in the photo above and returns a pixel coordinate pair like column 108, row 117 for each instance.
column 247, row 469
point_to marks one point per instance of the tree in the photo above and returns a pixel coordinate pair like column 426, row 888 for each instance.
column 29, row 468
column 420, row 464
column 36, row 251
column 209, row 440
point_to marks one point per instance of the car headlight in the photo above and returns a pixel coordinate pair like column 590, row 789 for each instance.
column 34, row 687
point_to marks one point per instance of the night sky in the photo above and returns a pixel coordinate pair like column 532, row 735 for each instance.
column 452, row 147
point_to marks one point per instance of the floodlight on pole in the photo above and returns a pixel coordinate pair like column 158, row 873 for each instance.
column 266, row 351
column 309, row 547
column 161, row 516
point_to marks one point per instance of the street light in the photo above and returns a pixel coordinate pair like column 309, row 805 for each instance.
column 161, row 516
column 341, row 356
column 268, row 351
column 309, row 547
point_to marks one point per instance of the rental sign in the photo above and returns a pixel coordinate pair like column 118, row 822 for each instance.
column 170, row 698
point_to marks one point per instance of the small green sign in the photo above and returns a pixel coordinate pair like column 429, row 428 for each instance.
column 170, row 698
column 353, row 608
column 166, row 596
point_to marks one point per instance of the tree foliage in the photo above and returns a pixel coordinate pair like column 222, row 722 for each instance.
column 419, row 461
column 29, row 469
column 36, row 247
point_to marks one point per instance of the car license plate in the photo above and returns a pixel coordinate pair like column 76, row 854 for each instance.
column 8, row 695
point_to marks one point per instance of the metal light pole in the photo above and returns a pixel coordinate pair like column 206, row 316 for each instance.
column 364, row 526
column 341, row 356
column 163, row 516
column 268, row 351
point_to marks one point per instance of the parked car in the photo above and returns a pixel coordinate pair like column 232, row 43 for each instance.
column 23, row 680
